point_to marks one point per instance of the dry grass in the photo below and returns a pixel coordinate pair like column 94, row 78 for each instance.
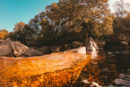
column 54, row 70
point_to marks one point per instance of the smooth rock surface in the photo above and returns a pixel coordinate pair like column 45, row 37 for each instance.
column 5, row 48
column 81, row 50
column 124, row 79
column 8, row 47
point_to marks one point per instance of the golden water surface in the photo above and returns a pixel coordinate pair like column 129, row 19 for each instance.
column 54, row 70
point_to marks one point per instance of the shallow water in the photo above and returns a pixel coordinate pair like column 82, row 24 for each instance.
column 103, row 70
column 52, row 70
column 122, row 62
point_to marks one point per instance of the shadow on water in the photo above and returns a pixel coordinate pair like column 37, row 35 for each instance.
column 104, row 69
column 122, row 62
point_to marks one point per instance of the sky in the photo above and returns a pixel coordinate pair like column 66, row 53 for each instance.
column 111, row 3
column 14, row 11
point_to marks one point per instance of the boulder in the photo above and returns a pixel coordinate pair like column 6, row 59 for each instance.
column 33, row 52
column 81, row 50
column 5, row 48
column 44, row 49
column 122, row 82
column 22, row 50
column 124, row 43
column 91, row 45
column 123, row 36
column 15, row 48
column 76, row 44
column 55, row 48
column 6, row 42
column 67, row 46
column 19, row 49
column 1, row 41
column 124, row 79
column 118, row 41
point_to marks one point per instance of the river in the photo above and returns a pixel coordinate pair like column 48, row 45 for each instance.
column 107, row 70
column 102, row 70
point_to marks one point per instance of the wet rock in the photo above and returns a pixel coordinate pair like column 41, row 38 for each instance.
column 85, row 81
column 1, row 41
column 122, row 76
column 109, row 53
column 105, row 70
column 55, row 48
column 94, row 84
column 66, row 47
column 90, row 84
column 128, row 71
column 124, row 43
column 81, row 50
column 122, row 82
column 76, row 44
column 33, row 52
column 92, row 48
column 91, row 45
column 124, row 79
column 118, row 42
column 124, row 36
column 44, row 49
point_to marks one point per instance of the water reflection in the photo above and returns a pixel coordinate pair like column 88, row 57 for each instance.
column 104, row 69
column 122, row 61
column 52, row 70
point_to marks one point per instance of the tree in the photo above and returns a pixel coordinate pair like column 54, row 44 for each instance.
column 3, row 34
column 69, row 20
column 121, row 8
column 121, row 18
column 92, row 17
column 19, row 26
column 126, row 21
column 18, row 34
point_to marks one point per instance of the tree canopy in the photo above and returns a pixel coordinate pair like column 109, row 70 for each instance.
column 69, row 20
column 90, row 16
column 3, row 34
